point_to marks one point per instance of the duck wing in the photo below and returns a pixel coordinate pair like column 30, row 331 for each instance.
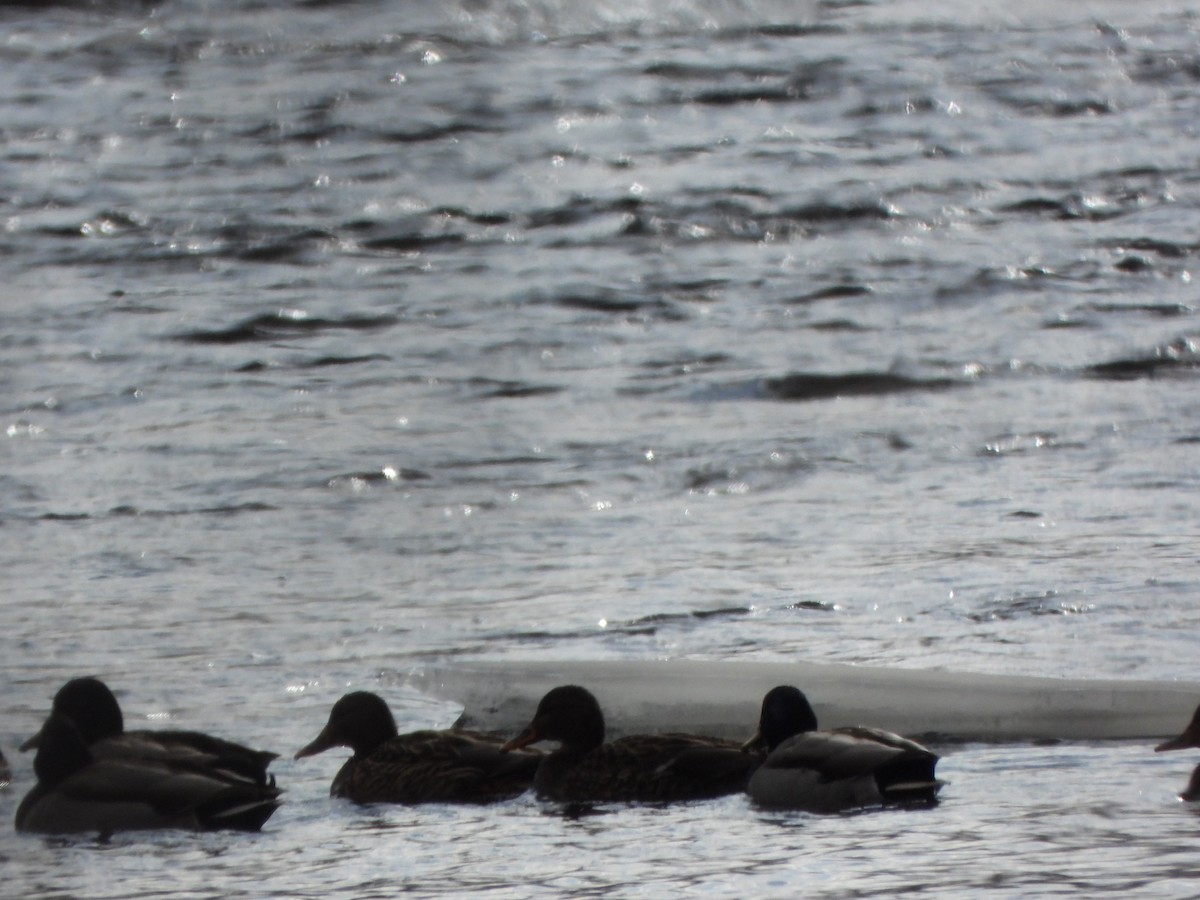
column 886, row 738
column 117, row 795
column 845, row 768
column 193, row 749
column 647, row 768
column 437, row 767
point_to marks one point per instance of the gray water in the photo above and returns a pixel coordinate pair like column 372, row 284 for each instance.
column 345, row 340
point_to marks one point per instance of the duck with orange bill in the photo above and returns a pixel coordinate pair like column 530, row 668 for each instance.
column 635, row 768
column 449, row 766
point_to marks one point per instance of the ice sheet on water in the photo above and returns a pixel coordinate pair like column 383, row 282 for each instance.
column 722, row 698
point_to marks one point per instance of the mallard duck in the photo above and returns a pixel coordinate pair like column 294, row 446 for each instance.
column 1189, row 737
column 639, row 768
column 420, row 767
column 5, row 772
column 827, row 771
column 92, row 707
column 77, row 792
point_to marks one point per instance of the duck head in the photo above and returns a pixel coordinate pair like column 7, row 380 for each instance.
column 567, row 714
column 785, row 712
column 360, row 720
column 90, row 705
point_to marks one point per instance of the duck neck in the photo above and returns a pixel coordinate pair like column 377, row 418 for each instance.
column 61, row 752
column 372, row 734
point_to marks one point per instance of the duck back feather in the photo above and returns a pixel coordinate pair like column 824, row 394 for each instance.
column 637, row 768
column 420, row 767
column 93, row 708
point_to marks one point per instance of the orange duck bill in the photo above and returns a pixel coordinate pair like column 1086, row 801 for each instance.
column 326, row 740
column 529, row 736
column 1189, row 738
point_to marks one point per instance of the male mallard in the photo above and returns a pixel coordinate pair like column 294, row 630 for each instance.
column 645, row 768
column 78, row 792
column 92, row 707
column 1190, row 737
column 419, row 767
column 827, row 771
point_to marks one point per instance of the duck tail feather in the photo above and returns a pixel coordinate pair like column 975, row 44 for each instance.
column 250, row 815
column 913, row 791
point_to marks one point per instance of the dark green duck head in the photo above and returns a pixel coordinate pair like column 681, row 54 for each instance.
column 567, row 714
column 785, row 712
column 360, row 720
column 91, row 706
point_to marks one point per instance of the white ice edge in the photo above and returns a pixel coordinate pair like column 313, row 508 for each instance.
column 722, row 698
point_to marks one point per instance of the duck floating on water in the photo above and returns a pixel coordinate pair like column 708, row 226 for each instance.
column 79, row 792
column 830, row 771
column 420, row 767
column 637, row 768
column 1189, row 737
column 91, row 706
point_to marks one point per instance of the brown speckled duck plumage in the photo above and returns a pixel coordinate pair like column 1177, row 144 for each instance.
column 419, row 767
column 638, row 768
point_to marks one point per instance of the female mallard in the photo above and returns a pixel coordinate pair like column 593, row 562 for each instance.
column 639, row 768
column 77, row 792
column 420, row 767
column 827, row 771
column 1190, row 737
column 92, row 707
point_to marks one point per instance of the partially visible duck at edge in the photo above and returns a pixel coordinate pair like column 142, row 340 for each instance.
column 77, row 792
column 1189, row 737
column 450, row 766
column 90, row 704
column 637, row 768
column 5, row 772
column 831, row 771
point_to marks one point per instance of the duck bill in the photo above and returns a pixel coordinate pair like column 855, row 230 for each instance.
column 529, row 736
column 33, row 743
column 1189, row 738
column 756, row 744
column 323, row 741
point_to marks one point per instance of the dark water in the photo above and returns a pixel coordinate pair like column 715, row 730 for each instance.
column 340, row 339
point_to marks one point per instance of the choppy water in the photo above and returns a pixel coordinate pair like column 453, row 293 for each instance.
column 342, row 339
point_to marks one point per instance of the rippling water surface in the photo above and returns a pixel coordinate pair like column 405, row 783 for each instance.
column 341, row 339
